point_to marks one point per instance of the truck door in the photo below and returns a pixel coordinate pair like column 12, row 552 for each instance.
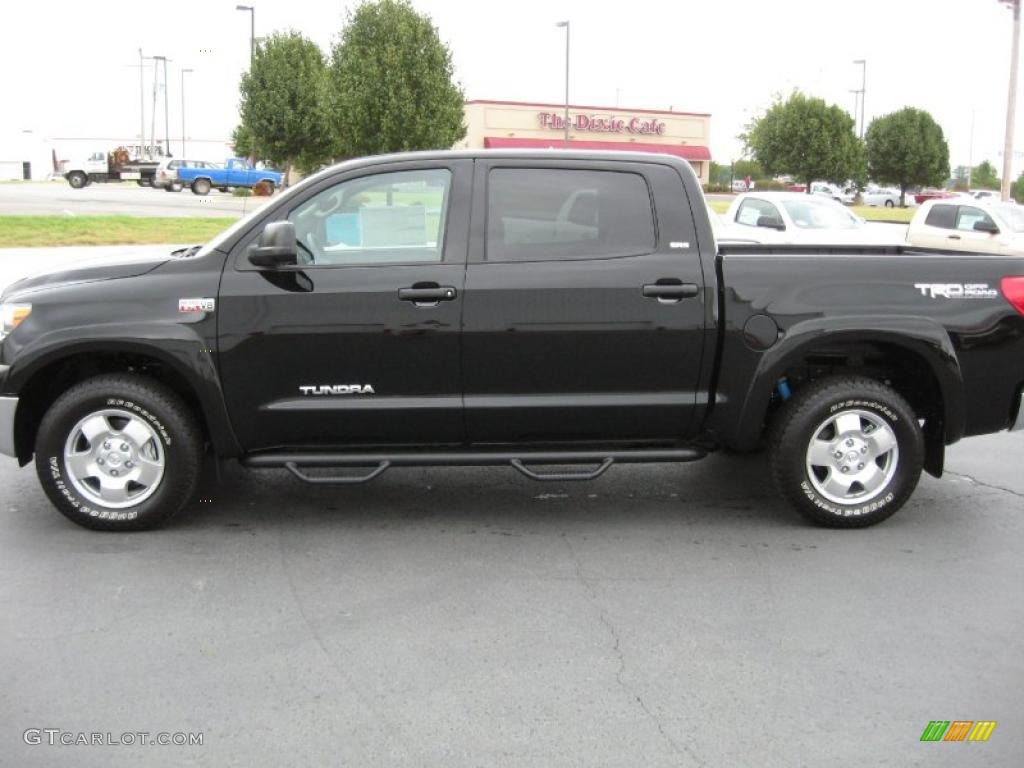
column 358, row 344
column 584, row 314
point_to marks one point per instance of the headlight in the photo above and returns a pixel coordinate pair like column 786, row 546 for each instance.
column 11, row 316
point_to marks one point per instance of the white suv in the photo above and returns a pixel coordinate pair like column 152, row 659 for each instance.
column 166, row 174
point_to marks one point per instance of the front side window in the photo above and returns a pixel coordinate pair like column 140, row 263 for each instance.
column 540, row 214
column 751, row 210
column 943, row 216
column 385, row 218
column 967, row 217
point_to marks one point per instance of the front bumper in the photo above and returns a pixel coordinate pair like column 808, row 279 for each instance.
column 8, row 407
column 1018, row 423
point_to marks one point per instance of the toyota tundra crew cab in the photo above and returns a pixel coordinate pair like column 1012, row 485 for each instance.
column 556, row 312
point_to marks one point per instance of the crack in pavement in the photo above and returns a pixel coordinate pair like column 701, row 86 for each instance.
column 588, row 587
column 983, row 484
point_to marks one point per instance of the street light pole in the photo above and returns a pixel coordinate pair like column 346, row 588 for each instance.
column 1011, row 101
column 142, row 105
column 252, row 30
column 183, row 71
column 566, row 25
column 863, row 88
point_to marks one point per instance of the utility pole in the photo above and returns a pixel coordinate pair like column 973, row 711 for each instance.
column 167, row 114
column 142, row 104
column 863, row 89
column 183, row 71
column 566, row 25
column 970, row 151
column 1011, row 100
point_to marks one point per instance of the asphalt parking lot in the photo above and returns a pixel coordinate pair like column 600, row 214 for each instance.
column 660, row 616
column 57, row 198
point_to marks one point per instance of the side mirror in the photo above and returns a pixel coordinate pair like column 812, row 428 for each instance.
column 771, row 222
column 986, row 226
column 276, row 246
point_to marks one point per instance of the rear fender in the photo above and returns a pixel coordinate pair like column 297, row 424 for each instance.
column 920, row 336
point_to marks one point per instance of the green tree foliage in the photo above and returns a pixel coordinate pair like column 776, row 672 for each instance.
column 282, row 97
column 807, row 139
column 907, row 149
column 390, row 83
column 1017, row 189
column 984, row 176
column 743, row 168
column 243, row 144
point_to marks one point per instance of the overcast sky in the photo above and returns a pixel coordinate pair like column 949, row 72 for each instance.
column 66, row 65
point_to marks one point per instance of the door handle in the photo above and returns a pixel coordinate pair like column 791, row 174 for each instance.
column 428, row 294
column 954, row 237
column 670, row 291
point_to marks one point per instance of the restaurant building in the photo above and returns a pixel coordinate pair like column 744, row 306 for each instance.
column 517, row 124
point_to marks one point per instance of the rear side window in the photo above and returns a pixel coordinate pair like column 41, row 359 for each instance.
column 542, row 214
column 942, row 216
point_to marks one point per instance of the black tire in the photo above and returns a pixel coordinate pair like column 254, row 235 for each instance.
column 172, row 188
column 224, row 189
column 806, row 418
column 77, row 179
column 176, row 439
column 890, row 204
column 201, row 187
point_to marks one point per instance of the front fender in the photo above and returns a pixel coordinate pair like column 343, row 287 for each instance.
column 916, row 335
column 182, row 353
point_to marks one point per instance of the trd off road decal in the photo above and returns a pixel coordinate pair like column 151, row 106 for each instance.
column 957, row 290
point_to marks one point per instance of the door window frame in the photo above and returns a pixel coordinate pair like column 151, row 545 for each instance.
column 646, row 170
column 455, row 230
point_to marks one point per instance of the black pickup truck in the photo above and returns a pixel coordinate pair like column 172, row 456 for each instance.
column 558, row 312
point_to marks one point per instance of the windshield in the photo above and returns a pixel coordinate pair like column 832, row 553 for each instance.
column 1011, row 215
column 820, row 214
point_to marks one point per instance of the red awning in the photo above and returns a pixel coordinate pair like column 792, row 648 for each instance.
column 685, row 151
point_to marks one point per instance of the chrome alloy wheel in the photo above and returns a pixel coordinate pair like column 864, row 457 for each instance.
column 852, row 457
column 114, row 458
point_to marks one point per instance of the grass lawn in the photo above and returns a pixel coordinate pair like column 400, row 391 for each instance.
column 903, row 215
column 41, row 231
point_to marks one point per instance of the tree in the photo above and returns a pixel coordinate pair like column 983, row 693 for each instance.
column 283, row 116
column 244, row 145
column 983, row 176
column 807, row 139
column 390, row 84
column 1017, row 189
column 907, row 149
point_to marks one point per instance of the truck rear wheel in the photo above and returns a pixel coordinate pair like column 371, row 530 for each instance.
column 846, row 451
column 77, row 179
column 201, row 187
column 118, row 453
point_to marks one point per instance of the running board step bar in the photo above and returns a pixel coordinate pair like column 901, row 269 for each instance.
column 522, row 462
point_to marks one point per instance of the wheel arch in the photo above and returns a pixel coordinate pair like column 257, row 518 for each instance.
column 46, row 377
column 915, row 356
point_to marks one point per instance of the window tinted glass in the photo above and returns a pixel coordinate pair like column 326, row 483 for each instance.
column 389, row 217
column 942, row 216
column 535, row 214
column 752, row 209
column 967, row 216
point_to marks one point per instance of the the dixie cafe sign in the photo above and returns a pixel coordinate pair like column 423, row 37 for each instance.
column 596, row 124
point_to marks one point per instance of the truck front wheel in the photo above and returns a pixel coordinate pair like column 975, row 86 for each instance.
column 201, row 187
column 118, row 453
column 846, row 451
column 77, row 179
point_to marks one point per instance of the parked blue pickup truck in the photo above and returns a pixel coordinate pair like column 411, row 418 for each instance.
column 236, row 172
